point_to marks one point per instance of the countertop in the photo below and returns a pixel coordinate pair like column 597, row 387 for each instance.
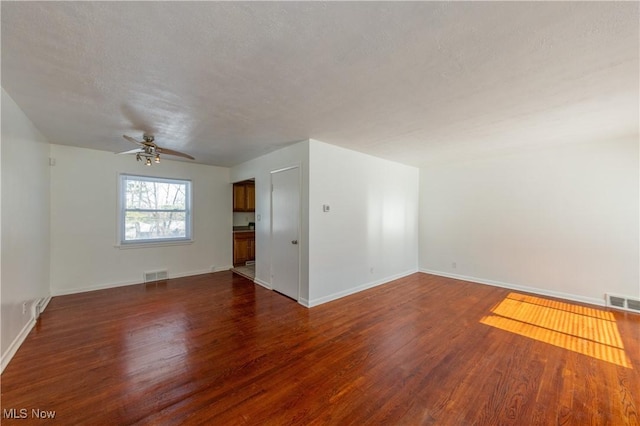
column 242, row 229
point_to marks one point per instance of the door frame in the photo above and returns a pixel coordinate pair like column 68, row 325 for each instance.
column 271, row 173
column 254, row 179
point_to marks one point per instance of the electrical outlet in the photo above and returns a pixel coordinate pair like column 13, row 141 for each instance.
column 454, row 265
column 24, row 308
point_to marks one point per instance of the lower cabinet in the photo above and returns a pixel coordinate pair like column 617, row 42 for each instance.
column 244, row 247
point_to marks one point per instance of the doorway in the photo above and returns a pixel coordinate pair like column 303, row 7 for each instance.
column 244, row 235
column 285, row 231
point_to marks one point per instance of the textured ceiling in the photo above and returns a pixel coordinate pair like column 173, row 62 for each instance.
column 411, row 82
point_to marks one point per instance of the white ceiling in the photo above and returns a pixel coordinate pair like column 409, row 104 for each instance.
column 411, row 82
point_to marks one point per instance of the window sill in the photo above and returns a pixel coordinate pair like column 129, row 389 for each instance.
column 153, row 244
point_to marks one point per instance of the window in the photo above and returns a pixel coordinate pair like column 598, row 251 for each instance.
column 154, row 209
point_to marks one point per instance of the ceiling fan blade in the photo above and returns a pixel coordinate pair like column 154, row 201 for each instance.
column 172, row 152
column 130, row 139
column 132, row 151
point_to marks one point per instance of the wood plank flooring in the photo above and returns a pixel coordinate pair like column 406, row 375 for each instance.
column 217, row 349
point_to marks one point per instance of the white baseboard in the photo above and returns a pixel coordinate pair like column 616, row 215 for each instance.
column 66, row 291
column 262, row 283
column 20, row 338
column 304, row 302
column 45, row 304
column 15, row 345
column 63, row 292
column 191, row 273
column 534, row 290
column 353, row 290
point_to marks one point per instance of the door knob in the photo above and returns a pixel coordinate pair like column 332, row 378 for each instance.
column 294, row 241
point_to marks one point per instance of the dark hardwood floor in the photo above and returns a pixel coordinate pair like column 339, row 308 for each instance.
column 217, row 349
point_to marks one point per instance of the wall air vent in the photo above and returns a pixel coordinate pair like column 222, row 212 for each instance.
column 633, row 305
column 151, row 276
column 623, row 302
column 618, row 302
column 36, row 308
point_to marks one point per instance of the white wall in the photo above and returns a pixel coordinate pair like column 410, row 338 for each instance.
column 370, row 234
column 84, row 193
column 372, row 224
column 25, row 224
column 260, row 169
column 559, row 221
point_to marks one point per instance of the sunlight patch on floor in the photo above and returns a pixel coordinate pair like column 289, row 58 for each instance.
column 588, row 331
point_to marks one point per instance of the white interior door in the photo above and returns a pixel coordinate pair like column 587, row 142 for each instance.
column 285, row 231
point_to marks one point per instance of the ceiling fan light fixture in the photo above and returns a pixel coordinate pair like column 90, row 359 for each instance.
column 148, row 151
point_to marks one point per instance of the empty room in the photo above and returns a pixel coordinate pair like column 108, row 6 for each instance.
column 323, row 213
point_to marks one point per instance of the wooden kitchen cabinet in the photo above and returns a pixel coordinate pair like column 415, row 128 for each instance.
column 239, row 197
column 244, row 196
column 251, row 197
column 244, row 247
column 252, row 249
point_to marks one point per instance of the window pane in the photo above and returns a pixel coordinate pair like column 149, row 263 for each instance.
column 154, row 225
column 154, row 209
column 150, row 195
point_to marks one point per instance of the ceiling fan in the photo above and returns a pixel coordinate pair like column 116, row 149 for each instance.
column 147, row 150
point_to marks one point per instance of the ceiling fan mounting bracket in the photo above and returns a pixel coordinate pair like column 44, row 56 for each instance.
column 148, row 138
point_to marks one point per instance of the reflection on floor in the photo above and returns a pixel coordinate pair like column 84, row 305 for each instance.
column 588, row 331
column 247, row 271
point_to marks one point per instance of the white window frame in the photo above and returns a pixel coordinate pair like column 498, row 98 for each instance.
column 122, row 210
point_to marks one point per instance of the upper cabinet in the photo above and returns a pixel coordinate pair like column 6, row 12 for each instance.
column 239, row 197
column 251, row 197
column 244, row 196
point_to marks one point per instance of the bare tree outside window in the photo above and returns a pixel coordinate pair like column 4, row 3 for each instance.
column 155, row 209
